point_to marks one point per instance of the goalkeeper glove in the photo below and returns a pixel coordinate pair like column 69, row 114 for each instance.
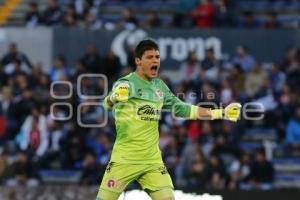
column 231, row 112
column 120, row 93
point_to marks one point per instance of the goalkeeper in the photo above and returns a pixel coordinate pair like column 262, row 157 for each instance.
column 137, row 101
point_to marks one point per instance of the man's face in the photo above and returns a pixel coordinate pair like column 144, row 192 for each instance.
column 149, row 64
column 13, row 48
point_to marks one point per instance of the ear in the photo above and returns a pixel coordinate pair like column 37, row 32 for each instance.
column 137, row 61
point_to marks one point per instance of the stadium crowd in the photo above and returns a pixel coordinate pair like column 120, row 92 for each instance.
column 198, row 154
column 202, row 14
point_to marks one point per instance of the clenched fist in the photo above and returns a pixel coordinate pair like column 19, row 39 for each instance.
column 120, row 93
column 232, row 112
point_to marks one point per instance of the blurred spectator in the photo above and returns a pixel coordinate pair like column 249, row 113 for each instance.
column 91, row 114
column 190, row 69
column 92, row 60
column 101, row 145
column 69, row 18
column 33, row 136
column 80, row 69
column 5, row 169
column 197, row 173
column 59, row 71
column 292, row 67
column 42, row 86
column 226, row 95
column 216, row 173
column 82, row 7
column 194, row 130
column 292, row 60
column 15, row 69
column 55, row 134
column 79, row 7
column 224, row 147
column 131, row 57
column 9, row 112
column 261, row 173
column 203, row 14
column 254, row 80
column 92, row 20
column 222, row 17
column 128, row 21
column 271, row 21
column 293, row 128
column 277, row 78
column 152, row 21
column 52, row 15
column 237, row 79
column 73, row 147
column 112, row 65
column 33, row 17
column 171, row 156
column 249, row 20
column 14, row 54
column 24, row 104
column 265, row 96
column 239, row 171
column 244, row 59
column 21, row 83
column 23, row 172
column 3, row 76
column 185, row 163
column 210, row 66
column 91, row 171
column 181, row 16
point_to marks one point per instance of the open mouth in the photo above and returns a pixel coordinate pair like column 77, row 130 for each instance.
column 155, row 68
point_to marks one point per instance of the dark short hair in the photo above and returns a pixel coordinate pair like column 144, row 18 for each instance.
column 260, row 151
column 143, row 46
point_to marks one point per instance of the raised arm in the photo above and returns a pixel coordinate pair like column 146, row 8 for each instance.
column 188, row 111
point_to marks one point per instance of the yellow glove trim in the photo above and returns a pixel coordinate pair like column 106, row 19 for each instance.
column 216, row 113
column 194, row 112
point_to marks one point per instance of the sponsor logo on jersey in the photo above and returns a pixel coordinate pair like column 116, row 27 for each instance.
column 148, row 113
column 147, row 110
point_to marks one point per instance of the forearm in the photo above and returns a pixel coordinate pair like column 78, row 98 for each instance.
column 231, row 112
column 107, row 103
column 205, row 113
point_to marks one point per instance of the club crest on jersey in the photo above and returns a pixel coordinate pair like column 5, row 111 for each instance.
column 159, row 93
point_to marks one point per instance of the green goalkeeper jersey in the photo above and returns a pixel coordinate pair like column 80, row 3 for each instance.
column 136, row 120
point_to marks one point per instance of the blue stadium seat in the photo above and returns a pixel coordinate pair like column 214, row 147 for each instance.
column 60, row 176
column 249, row 147
column 260, row 134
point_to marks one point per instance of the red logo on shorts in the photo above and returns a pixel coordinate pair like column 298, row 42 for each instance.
column 111, row 183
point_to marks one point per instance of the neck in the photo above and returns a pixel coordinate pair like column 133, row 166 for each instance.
column 142, row 75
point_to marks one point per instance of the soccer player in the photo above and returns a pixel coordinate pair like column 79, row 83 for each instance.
column 137, row 101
